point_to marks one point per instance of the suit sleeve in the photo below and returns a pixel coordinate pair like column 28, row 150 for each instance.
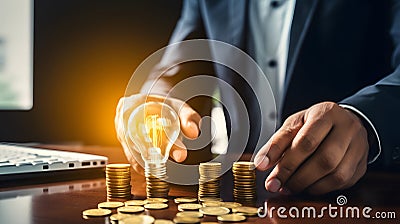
column 189, row 26
column 381, row 102
column 163, row 77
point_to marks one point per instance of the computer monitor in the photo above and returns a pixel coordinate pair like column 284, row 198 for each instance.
column 16, row 54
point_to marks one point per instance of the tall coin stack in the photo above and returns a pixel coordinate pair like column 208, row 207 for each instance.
column 209, row 181
column 156, row 186
column 118, row 181
column 244, row 182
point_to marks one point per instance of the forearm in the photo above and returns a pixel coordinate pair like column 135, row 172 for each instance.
column 381, row 104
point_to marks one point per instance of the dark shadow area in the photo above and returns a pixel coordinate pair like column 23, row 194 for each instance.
column 85, row 54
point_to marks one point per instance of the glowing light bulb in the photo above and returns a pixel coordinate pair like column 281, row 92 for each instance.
column 153, row 127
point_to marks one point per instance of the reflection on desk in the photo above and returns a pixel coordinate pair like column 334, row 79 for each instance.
column 18, row 206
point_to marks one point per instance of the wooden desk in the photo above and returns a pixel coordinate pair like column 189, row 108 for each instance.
column 63, row 202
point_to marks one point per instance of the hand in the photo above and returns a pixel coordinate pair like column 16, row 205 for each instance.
column 188, row 117
column 321, row 149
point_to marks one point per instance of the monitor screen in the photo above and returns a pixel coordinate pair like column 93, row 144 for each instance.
column 16, row 54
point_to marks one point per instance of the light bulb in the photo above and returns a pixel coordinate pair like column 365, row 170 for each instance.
column 153, row 127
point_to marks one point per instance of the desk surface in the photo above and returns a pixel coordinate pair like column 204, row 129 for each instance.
column 63, row 202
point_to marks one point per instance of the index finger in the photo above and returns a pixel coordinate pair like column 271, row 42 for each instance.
column 271, row 152
column 303, row 145
column 189, row 118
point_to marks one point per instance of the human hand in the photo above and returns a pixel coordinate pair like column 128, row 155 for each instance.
column 318, row 150
column 189, row 120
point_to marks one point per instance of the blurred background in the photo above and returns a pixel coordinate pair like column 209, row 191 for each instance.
column 85, row 52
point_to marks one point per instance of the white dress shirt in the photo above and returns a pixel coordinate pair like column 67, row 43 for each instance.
column 270, row 23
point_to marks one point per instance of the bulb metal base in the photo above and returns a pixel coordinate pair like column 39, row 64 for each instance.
column 156, row 185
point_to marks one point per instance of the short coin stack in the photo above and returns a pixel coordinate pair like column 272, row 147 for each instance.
column 209, row 181
column 244, row 182
column 156, row 186
column 118, row 180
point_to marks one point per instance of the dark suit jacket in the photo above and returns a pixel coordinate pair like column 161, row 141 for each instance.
column 346, row 51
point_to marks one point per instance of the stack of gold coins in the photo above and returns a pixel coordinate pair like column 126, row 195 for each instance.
column 118, row 180
column 244, row 182
column 156, row 186
column 209, row 181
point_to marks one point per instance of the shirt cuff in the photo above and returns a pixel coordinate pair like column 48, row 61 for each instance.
column 359, row 113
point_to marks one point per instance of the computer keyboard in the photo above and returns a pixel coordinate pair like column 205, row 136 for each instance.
column 15, row 159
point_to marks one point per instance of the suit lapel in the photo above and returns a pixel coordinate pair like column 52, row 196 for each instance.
column 303, row 14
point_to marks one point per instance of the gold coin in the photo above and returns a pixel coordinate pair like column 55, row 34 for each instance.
column 127, row 193
column 117, row 217
column 135, row 203
column 210, row 164
column 118, row 186
column 212, row 203
column 119, row 190
column 229, row 204
column 214, row 211
column 189, row 214
column 189, row 207
column 243, row 163
column 231, row 218
column 126, row 197
column 110, row 204
column 155, row 200
column 130, row 209
column 185, row 220
column 120, row 174
column 185, row 200
column 96, row 212
column 138, row 219
column 163, row 221
column 118, row 181
column 243, row 168
column 118, row 166
column 246, row 210
column 156, row 206
column 204, row 199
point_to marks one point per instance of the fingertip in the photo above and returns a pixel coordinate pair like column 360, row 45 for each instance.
column 138, row 169
column 178, row 151
column 179, row 155
column 191, row 130
column 273, row 185
column 261, row 162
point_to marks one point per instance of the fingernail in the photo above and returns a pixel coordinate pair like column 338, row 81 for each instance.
column 261, row 162
column 273, row 185
column 177, row 156
column 193, row 125
column 285, row 191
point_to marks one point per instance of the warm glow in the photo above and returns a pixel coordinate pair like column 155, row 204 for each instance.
column 153, row 128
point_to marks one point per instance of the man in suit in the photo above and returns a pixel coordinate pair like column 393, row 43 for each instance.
column 334, row 70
